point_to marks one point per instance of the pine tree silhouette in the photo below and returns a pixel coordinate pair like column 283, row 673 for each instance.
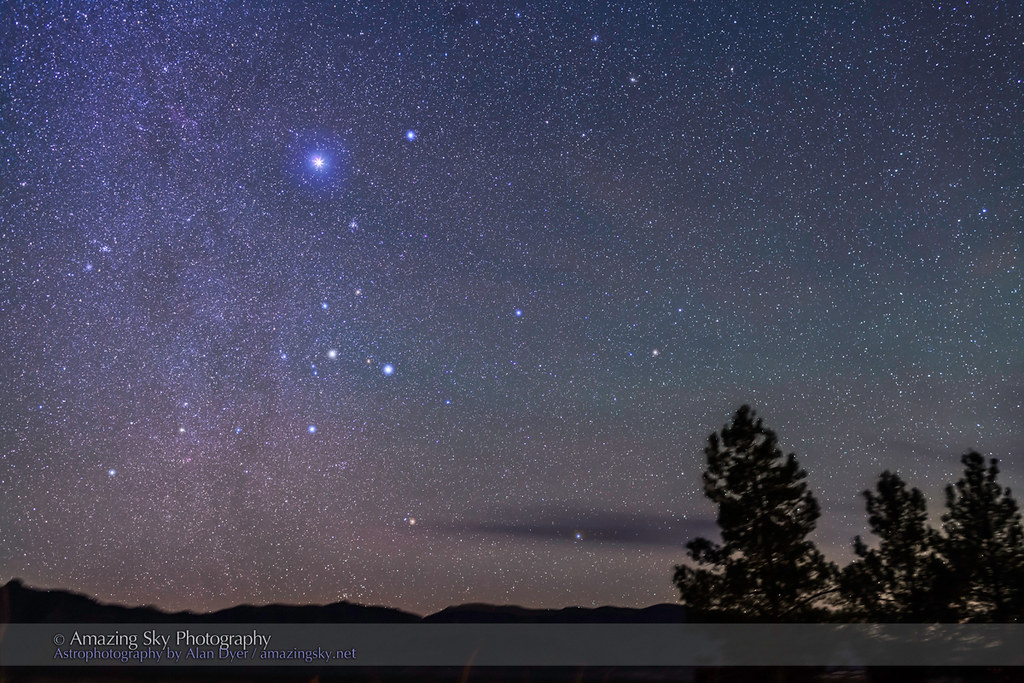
column 982, row 542
column 903, row 579
column 764, row 568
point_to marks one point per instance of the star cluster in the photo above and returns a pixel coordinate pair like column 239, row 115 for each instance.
column 425, row 304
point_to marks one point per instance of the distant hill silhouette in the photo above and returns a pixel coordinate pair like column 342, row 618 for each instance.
column 478, row 613
column 21, row 604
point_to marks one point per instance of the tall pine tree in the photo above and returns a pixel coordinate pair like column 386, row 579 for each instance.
column 903, row 579
column 982, row 543
column 765, row 568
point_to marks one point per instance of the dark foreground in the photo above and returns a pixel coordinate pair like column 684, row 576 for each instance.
column 510, row 675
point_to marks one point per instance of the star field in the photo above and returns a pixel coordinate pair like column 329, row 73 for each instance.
column 421, row 304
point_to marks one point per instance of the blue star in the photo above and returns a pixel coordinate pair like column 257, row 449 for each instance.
column 324, row 305
column 311, row 429
column 388, row 369
column 318, row 162
column 518, row 313
column 111, row 472
column 410, row 135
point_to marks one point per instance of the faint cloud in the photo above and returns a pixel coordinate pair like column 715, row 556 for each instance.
column 580, row 525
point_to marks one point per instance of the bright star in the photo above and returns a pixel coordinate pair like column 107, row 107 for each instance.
column 111, row 472
column 518, row 313
column 311, row 429
column 332, row 354
column 388, row 369
column 410, row 135
column 318, row 163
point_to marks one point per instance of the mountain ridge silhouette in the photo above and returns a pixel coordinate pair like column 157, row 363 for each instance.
column 22, row 604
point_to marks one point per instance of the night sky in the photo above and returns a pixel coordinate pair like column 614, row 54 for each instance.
column 428, row 304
